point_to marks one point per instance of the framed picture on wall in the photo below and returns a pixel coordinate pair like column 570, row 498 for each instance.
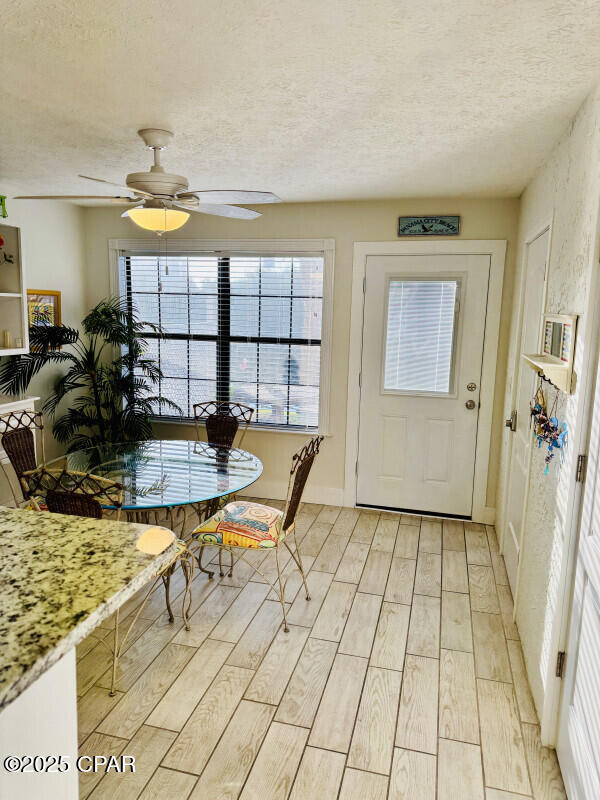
column 43, row 307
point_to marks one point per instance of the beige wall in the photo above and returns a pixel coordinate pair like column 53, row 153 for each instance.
column 53, row 253
column 346, row 223
column 567, row 189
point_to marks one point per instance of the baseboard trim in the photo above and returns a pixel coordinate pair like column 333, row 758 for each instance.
column 332, row 496
column 487, row 516
column 277, row 490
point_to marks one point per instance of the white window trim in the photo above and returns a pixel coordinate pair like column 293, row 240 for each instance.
column 258, row 246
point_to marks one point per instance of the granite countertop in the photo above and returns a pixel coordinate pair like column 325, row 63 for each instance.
column 60, row 576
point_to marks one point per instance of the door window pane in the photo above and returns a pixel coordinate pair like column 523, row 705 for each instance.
column 420, row 335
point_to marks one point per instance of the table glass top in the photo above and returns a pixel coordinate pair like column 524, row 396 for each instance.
column 162, row 473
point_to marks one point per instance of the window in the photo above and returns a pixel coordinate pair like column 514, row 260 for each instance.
column 236, row 326
column 420, row 334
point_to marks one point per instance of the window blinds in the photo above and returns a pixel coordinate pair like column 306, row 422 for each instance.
column 420, row 335
column 234, row 327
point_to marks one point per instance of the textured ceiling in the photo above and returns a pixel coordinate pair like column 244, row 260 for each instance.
column 312, row 99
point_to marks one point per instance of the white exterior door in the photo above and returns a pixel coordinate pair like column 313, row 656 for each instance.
column 533, row 307
column 423, row 335
column 579, row 726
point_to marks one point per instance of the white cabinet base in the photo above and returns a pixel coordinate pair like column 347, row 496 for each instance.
column 42, row 721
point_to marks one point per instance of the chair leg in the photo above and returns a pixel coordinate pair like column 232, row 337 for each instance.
column 281, row 591
column 301, row 566
column 115, row 655
column 221, row 573
column 167, row 582
column 200, row 567
column 187, row 565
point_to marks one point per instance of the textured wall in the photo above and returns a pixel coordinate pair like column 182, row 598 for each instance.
column 346, row 223
column 567, row 186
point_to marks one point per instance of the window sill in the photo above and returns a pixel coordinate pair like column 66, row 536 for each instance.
column 253, row 427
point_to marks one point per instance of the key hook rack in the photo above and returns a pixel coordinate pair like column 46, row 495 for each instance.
column 555, row 363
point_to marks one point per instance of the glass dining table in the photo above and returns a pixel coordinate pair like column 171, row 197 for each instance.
column 163, row 479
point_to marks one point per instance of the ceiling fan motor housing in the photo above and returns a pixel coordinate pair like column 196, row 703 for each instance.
column 157, row 181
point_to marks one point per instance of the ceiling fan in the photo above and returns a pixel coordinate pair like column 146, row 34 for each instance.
column 163, row 200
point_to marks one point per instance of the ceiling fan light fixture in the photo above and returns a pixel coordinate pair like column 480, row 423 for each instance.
column 157, row 219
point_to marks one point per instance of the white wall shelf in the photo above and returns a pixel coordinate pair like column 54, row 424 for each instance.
column 555, row 363
column 13, row 294
column 561, row 375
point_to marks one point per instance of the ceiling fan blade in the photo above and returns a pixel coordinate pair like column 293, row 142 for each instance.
column 120, row 185
column 235, row 196
column 221, row 211
column 77, row 197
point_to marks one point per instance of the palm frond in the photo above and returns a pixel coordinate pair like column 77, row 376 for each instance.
column 81, row 441
column 45, row 337
column 108, row 380
column 17, row 372
column 164, row 401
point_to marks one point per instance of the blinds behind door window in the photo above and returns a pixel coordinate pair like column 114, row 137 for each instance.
column 420, row 335
column 236, row 327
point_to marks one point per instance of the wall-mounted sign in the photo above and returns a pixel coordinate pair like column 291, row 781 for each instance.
column 429, row 226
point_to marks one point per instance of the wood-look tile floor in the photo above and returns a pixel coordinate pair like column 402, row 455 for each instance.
column 403, row 677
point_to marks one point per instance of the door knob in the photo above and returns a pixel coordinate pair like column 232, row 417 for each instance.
column 470, row 404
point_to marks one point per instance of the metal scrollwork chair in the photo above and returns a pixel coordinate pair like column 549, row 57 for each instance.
column 222, row 422
column 243, row 525
column 17, row 432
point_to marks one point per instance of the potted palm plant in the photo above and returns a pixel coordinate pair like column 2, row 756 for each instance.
column 109, row 383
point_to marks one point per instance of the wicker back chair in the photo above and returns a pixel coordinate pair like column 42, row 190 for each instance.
column 17, row 432
column 222, row 421
column 69, row 492
column 243, row 525
column 79, row 505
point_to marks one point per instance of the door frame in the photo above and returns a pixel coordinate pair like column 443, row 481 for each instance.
column 515, row 358
column 496, row 249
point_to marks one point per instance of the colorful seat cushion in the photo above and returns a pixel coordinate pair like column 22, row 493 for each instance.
column 242, row 524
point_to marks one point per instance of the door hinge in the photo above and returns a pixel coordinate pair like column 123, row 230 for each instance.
column 560, row 663
column 360, row 380
column 364, row 284
column 356, row 469
column 581, row 468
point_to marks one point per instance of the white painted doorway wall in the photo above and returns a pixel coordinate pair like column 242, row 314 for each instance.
column 496, row 250
column 534, row 298
column 423, row 336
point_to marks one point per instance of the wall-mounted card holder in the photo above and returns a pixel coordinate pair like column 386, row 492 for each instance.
column 555, row 361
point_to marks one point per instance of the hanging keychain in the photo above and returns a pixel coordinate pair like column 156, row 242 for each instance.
column 537, row 405
column 552, row 435
column 538, row 412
